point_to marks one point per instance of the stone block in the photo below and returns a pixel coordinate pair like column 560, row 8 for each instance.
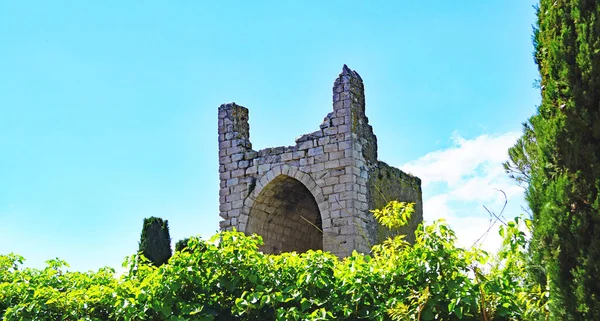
column 321, row 159
column 306, row 145
column 344, row 145
column 336, row 155
column 299, row 154
column 333, row 147
column 225, row 144
column 235, row 150
column 330, row 131
column 315, row 151
column 318, row 167
column 332, row 164
column 338, row 188
column 332, row 181
column 264, row 168
column 323, row 141
column 252, row 170
column 238, row 172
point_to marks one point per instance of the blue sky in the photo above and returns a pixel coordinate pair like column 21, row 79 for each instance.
column 108, row 110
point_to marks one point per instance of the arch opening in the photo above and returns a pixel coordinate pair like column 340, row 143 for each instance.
column 285, row 214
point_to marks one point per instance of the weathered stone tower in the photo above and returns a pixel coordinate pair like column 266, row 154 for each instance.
column 317, row 193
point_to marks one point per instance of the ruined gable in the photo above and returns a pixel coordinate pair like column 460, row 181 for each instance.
column 316, row 194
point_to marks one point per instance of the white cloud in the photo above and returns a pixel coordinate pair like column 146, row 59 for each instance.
column 463, row 159
column 458, row 181
column 436, row 207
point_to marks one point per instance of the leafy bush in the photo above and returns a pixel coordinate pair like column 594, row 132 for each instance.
column 182, row 244
column 227, row 278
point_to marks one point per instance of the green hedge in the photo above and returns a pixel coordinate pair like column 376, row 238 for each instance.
column 227, row 278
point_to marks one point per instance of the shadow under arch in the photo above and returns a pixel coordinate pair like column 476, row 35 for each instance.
column 286, row 209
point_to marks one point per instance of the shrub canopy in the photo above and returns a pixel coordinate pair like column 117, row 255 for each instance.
column 227, row 278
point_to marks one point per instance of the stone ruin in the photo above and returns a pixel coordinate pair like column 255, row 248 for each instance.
column 317, row 193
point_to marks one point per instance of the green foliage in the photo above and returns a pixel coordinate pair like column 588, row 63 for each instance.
column 155, row 241
column 52, row 294
column 521, row 157
column 559, row 157
column 394, row 214
column 181, row 244
column 227, row 278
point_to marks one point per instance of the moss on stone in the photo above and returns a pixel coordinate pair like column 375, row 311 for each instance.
column 387, row 183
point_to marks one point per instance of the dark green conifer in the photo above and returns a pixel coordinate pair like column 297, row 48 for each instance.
column 559, row 157
column 155, row 241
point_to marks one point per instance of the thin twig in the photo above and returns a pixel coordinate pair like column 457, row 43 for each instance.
column 492, row 221
column 320, row 230
column 382, row 195
column 505, row 202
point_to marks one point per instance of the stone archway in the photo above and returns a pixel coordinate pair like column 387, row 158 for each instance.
column 287, row 209
column 287, row 217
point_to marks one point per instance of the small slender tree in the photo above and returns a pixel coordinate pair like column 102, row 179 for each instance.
column 155, row 241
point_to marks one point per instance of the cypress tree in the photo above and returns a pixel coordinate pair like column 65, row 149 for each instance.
column 155, row 241
column 559, row 157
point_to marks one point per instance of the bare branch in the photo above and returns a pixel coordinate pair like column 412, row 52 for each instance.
column 492, row 220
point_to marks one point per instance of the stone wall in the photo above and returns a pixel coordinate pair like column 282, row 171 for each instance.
column 387, row 183
column 317, row 193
